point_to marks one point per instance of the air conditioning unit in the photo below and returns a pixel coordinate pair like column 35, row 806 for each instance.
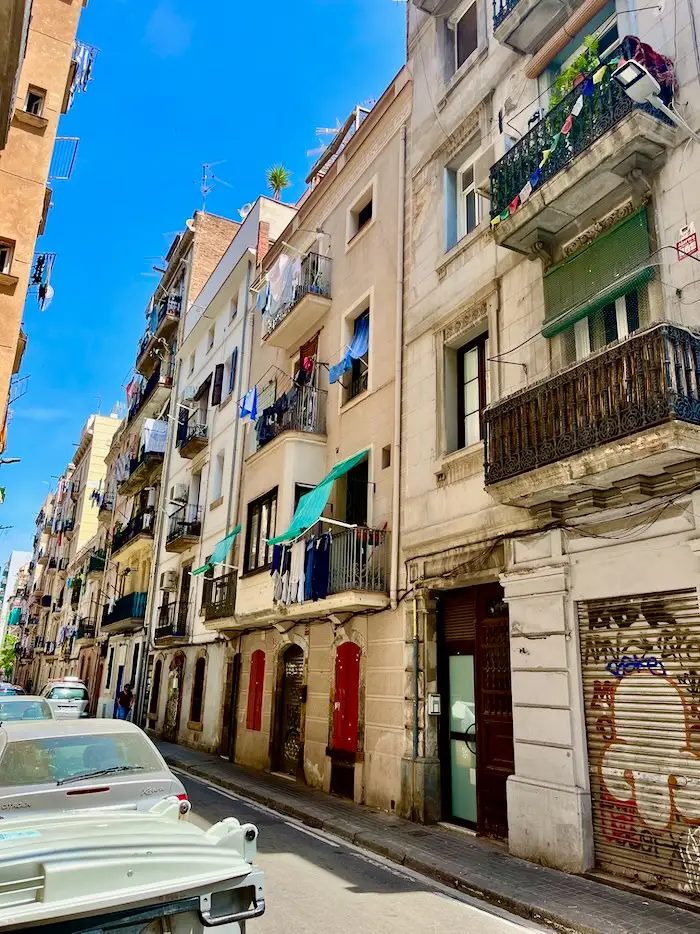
column 188, row 393
column 179, row 493
column 168, row 580
column 151, row 501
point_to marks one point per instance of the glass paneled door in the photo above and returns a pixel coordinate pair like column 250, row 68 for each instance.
column 462, row 717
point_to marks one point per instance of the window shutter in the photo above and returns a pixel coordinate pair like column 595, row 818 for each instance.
column 218, row 384
column 182, row 424
column 255, row 690
column 232, row 378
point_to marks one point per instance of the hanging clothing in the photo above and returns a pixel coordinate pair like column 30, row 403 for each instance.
column 357, row 349
column 154, row 435
column 322, row 562
column 284, row 574
column 309, row 569
column 296, row 572
column 249, row 405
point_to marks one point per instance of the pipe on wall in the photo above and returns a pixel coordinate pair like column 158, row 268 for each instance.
column 398, row 375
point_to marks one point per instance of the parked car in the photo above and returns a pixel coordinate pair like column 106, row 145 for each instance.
column 132, row 872
column 24, row 707
column 68, row 697
column 7, row 689
column 56, row 765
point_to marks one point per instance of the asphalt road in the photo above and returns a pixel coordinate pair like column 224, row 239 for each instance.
column 316, row 883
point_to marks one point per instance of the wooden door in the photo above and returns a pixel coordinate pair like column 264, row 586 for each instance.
column 494, row 711
column 228, row 716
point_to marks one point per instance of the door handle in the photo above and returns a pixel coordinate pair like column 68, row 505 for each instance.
column 470, row 738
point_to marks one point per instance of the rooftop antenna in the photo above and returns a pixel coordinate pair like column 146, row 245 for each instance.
column 209, row 181
column 324, row 131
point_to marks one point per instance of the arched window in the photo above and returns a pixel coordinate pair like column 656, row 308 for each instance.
column 255, row 690
column 347, row 697
column 198, row 690
column 155, row 688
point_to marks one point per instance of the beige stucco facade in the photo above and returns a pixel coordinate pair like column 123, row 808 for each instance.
column 25, row 160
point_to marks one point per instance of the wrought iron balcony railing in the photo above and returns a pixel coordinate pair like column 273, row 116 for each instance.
column 220, row 599
column 185, row 522
column 172, row 621
column 162, row 375
column 650, row 378
column 87, row 629
column 359, row 560
column 96, row 562
column 607, row 106
column 132, row 606
column 142, row 524
column 501, row 9
column 314, row 279
column 300, row 408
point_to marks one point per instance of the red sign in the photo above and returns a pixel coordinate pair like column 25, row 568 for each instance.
column 686, row 246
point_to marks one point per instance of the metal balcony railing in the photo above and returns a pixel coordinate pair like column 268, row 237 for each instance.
column 605, row 107
column 96, row 562
column 172, row 621
column 132, row 606
column 142, row 524
column 162, row 375
column 195, row 429
column 300, row 408
column 649, row 378
column 501, row 9
column 186, row 521
column 314, row 278
column 87, row 629
column 221, row 596
column 359, row 560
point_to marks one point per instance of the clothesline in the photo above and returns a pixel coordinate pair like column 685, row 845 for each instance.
column 342, row 525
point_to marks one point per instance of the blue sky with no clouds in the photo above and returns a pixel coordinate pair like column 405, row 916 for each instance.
column 176, row 84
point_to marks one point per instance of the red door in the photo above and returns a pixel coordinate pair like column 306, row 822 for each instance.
column 346, row 712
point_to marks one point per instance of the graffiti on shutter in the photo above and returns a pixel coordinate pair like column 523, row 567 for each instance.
column 641, row 675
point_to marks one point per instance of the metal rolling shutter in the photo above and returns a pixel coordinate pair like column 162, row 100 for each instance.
column 459, row 615
column 641, row 675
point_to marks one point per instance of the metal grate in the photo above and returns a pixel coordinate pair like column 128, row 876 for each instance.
column 63, row 158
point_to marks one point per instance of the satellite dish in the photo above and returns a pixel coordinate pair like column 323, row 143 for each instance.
column 245, row 210
column 189, row 223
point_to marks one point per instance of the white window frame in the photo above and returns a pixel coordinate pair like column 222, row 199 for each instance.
column 454, row 22
column 462, row 195
column 211, row 338
column 582, row 334
column 37, row 92
column 9, row 246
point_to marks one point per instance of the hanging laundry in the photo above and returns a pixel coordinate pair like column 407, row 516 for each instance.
column 309, row 569
column 321, row 570
column 154, row 435
column 249, row 406
column 357, row 349
column 295, row 593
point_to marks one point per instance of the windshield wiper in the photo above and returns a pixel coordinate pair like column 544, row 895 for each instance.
column 112, row 771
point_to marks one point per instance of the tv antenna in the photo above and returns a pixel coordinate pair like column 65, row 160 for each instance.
column 324, row 131
column 209, row 181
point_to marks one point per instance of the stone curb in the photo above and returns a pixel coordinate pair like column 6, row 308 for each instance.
column 407, row 856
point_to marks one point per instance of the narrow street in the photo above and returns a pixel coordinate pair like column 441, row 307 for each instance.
column 316, row 883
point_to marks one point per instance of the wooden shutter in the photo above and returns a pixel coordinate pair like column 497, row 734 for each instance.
column 255, row 690
column 232, row 377
column 182, row 417
column 218, row 384
column 347, row 697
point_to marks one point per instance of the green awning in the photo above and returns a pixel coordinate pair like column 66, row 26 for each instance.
column 610, row 267
column 15, row 617
column 220, row 552
column 312, row 504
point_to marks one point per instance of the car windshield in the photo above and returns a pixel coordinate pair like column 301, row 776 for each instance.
column 67, row 693
column 10, row 689
column 24, row 710
column 34, row 761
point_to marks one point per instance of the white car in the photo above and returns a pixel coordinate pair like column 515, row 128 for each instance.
column 139, row 872
column 58, row 765
column 68, row 697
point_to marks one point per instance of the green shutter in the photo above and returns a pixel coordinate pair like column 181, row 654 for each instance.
column 598, row 274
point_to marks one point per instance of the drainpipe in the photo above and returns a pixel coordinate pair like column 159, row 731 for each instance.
column 246, row 362
column 415, row 680
column 398, row 367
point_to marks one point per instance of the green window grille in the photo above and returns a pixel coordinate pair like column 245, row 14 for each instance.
column 611, row 266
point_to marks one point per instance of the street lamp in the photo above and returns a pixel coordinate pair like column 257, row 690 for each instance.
column 643, row 88
column 9, row 460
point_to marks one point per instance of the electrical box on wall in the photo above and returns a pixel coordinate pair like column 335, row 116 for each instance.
column 434, row 709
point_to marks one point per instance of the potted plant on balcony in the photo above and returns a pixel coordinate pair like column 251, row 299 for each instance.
column 572, row 76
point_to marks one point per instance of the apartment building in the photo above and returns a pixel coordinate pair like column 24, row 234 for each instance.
column 200, row 494
column 136, row 457
column 26, row 670
column 309, row 681
column 550, row 432
column 42, row 67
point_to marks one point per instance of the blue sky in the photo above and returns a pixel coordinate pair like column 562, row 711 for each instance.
column 176, row 84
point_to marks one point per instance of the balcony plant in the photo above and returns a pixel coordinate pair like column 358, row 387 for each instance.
column 572, row 76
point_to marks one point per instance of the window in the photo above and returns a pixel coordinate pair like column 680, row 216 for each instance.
column 358, row 375
column 255, row 690
column 262, row 514
column 233, row 308
column 467, row 201
column 472, row 391
column 210, row 338
column 361, row 213
column 466, row 36
column 190, row 368
column 135, row 666
column 198, row 690
column 386, row 456
column 34, row 103
column 6, row 252
column 300, row 489
column 230, row 373
column 614, row 322
column 217, row 481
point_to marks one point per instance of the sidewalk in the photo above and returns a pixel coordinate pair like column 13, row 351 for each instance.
column 475, row 867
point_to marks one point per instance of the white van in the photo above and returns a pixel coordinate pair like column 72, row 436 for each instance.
column 68, row 698
column 128, row 872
